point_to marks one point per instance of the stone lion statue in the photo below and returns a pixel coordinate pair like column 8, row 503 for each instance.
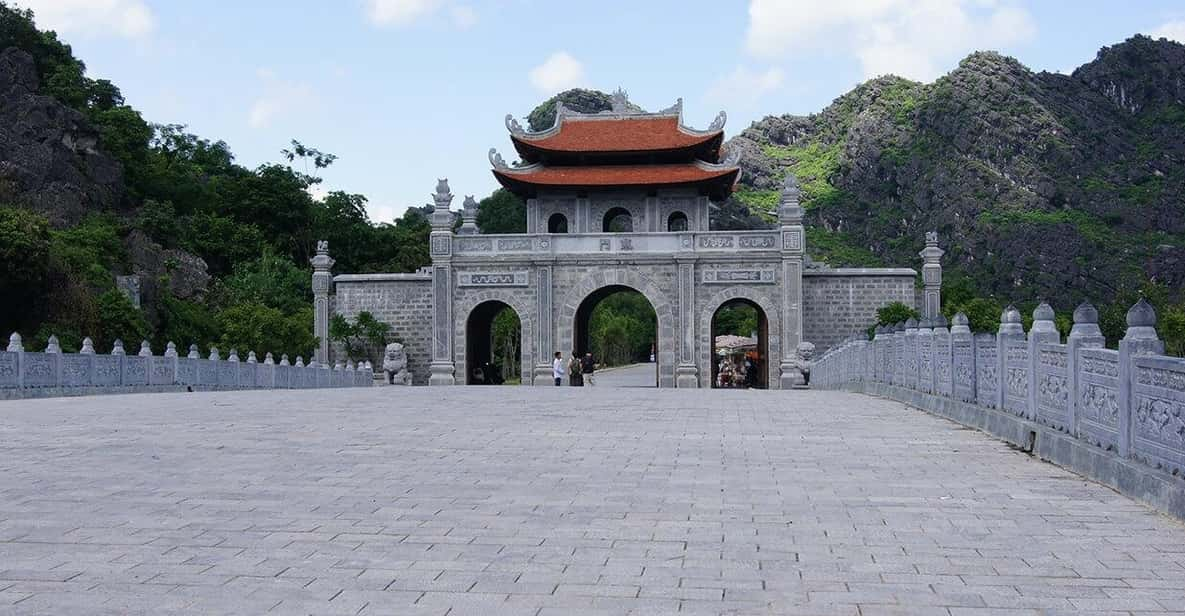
column 395, row 365
column 802, row 360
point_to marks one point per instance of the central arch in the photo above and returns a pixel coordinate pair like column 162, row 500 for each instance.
column 630, row 313
column 664, row 312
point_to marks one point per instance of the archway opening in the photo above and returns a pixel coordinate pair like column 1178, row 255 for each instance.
column 740, row 346
column 617, row 220
column 677, row 221
column 493, row 345
column 618, row 326
column 557, row 223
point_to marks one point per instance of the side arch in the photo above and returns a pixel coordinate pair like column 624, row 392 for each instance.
column 773, row 326
column 664, row 310
column 464, row 307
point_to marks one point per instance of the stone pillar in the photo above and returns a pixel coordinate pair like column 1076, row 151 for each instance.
column 962, row 343
column 322, row 286
column 1140, row 339
column 793, row 249
column 545, row 347
column 1011, row 328
column 686, row 373
column 925, row 344
column 1043, row 331
column 468, row 217
column 442, row 368
column 931, row 276
column 1084, row 334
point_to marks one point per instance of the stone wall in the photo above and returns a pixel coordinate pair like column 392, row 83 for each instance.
column 1117, row 416
column 838, row 303
column 404, row 301
column 29, row 374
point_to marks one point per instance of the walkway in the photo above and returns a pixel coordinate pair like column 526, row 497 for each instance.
column 633, row 375
column 547, row 500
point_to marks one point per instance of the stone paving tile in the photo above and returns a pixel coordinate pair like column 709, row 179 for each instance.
column 553, row 501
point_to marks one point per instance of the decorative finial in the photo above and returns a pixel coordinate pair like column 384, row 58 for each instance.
column 443, row 196
column 513, row 126
column 14, row 343
column 251, row 357
column 620, row 101
column 496, row 159
column 732, row 156
column 53, row 345
column 145, row 349
column 718, row 123
column 234, row 355
column 299, row 361
column 193, row 352
column 170, row 349
column 284, row 360
column 88, row 346
column 214, row 353
column 268, row 359
column 323, row 247
column 931, row 238
column 676, row 109
column 117, row 347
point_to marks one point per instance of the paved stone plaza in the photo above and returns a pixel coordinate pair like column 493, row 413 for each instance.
column 553, row 501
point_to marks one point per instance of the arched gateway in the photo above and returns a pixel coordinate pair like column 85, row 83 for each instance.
column 618, row 199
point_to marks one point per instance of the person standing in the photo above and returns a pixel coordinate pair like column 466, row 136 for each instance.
column 557, row 368
column 587, row 367
column 575, row 373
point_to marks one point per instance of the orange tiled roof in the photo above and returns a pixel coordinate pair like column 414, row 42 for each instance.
column 616, row 175
column 617, row 135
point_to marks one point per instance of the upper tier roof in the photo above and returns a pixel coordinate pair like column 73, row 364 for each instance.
column 618, row 131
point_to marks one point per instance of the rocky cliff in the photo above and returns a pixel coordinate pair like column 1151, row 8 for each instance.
column 50, row 160
column 1041, row 184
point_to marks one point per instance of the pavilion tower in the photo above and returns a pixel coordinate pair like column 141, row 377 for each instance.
column 618, row 170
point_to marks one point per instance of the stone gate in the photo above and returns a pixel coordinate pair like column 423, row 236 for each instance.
column 618, row 200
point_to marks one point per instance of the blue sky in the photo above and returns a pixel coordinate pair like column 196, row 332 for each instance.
column 405, row 91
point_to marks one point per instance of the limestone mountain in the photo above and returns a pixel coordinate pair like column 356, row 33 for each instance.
column 1041, row 184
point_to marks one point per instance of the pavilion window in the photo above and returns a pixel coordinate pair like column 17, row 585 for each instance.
column 557, row 223
column 618, row 220
column 677, row 221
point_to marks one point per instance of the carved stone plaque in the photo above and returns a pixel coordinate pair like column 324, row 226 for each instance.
column 731, row 276
column 492, row 279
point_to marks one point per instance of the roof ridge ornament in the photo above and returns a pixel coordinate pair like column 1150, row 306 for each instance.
column 718, row 123
column 496, row 159
column 677, row 108
column 513, row 126
column 620, row 100
column 732, row 155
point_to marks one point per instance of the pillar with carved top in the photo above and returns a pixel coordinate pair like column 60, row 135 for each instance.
column 442, row 368
column 686, row 373
column 322, row 285
column 545, row 347
column 931, row 276
column 793, row 249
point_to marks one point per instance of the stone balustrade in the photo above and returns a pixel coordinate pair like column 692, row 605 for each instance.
column 1128, row 404
column 27, row 374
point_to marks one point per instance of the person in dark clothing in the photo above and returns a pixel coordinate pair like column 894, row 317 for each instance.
column 575, row 371
column 587, row 367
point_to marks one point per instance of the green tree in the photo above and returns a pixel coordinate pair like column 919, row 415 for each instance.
column 270, row 280
column 502, row 212
column 260, row 328
column 895, row 312
column 24, row 264
column 360, row 339
column 120, row 320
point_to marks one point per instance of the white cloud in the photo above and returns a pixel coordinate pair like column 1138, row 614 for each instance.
column 464, row 17
column 126, row 18
column 560, row 71
column 399, row 13
column 918, row 39
column 1173, row 30
column 743, row 87
column 278, row 99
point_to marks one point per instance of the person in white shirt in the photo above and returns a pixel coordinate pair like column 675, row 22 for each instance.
column 557, row 368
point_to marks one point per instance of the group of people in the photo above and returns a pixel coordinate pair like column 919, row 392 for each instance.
column 738, row 374
column 578, row 369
